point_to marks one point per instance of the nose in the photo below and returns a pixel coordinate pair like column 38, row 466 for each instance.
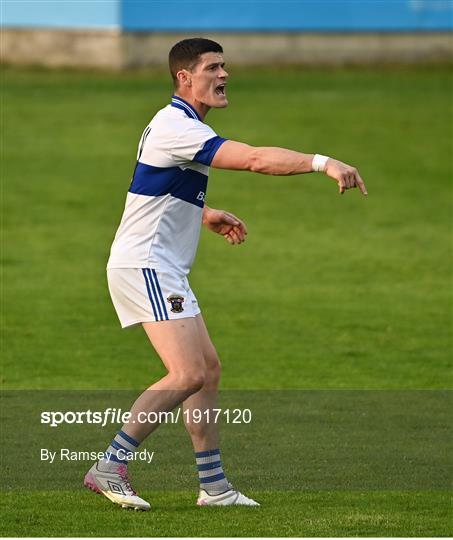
column 223, row 73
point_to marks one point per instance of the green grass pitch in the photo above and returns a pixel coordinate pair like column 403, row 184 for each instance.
column 328, row 293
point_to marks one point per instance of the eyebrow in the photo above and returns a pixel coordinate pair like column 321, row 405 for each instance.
column 221, row 64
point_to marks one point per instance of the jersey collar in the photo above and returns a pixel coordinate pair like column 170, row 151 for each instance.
column 179, row 103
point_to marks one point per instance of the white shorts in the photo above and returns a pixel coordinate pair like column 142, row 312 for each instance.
column 147, row 295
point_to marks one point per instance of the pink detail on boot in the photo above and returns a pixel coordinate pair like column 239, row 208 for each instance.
column 122, row 471
column 90, row 483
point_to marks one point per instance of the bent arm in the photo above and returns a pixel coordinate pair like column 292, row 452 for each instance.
column 277, row 161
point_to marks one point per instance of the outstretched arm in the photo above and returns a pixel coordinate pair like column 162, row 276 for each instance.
column 224, row 223
column 282, row 162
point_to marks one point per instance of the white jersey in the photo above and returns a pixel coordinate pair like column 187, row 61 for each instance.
column 161, row 223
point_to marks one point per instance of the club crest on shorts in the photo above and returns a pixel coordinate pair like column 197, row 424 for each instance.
column 176, row 303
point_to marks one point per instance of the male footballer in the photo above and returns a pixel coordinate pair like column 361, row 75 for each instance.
column 154, row 249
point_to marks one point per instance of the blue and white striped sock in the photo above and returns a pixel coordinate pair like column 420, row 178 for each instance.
column 210, row 472
column 117, row 451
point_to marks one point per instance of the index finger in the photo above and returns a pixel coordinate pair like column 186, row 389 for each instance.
column 360, row 183
column 230, row 218
column 241, row 224
column 238, row 221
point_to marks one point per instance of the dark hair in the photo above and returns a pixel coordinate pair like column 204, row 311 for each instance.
column 186, row 53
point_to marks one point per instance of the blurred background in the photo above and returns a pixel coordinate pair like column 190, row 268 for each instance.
column 125, row 33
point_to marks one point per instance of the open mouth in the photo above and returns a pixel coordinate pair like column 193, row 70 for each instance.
column 220, row 90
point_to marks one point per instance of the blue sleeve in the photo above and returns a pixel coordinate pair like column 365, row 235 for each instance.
column 207, row 153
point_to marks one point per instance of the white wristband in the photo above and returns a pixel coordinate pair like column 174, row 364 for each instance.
column 319, row 163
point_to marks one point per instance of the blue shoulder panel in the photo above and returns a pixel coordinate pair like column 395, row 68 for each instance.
column 207, row 153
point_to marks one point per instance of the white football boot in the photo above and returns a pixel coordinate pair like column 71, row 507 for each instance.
column 227, row 498
column 116, row 486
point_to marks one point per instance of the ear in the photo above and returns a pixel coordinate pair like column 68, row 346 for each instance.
column 184, row 78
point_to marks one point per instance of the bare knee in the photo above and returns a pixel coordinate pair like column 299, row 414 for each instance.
column 191, row 380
